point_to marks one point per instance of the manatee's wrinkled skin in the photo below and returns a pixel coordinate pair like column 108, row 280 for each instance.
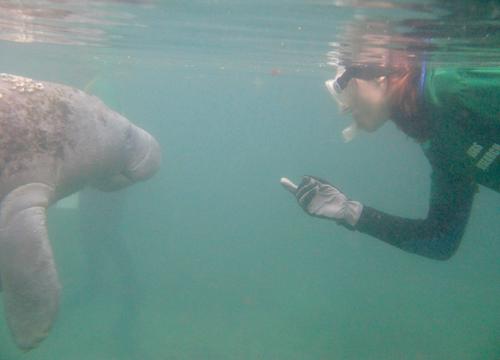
column 54, row 140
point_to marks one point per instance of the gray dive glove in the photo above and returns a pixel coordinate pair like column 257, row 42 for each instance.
column 321, row 199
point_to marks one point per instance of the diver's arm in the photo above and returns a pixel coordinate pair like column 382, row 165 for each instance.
column 439, row 235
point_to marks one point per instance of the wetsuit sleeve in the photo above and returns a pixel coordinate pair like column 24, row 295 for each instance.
column 439, row 234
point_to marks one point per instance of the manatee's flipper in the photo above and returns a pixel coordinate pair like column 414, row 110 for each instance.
column 28, row 274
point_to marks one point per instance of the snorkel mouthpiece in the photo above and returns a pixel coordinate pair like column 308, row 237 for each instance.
column 350, row 132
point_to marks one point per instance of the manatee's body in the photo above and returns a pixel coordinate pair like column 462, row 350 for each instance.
column 54, row 140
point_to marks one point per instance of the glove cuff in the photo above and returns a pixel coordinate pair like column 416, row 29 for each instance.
column 352, row 212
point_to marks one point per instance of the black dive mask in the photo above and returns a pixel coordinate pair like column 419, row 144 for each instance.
column 363, row 72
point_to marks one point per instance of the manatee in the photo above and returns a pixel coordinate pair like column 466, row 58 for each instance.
column 54, row 140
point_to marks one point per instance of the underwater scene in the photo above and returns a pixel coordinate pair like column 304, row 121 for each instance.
column 280, row 224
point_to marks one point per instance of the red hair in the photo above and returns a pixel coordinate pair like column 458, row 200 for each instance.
column 407, row 111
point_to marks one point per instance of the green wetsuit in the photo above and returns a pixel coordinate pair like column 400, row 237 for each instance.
column 463, row 107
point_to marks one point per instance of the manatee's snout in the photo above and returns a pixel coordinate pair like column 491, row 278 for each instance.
column 145, row 155
column 29, row 341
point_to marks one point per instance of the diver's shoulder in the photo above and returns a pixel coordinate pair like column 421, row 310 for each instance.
column 447, row 76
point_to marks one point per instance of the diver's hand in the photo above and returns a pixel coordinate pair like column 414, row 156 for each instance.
column 321, row 199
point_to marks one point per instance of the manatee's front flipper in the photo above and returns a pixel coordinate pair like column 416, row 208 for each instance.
column 28, row 274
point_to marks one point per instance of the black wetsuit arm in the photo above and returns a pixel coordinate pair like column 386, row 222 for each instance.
column 439, row 234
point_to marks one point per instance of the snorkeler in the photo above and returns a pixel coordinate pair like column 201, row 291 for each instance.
column 453, row 113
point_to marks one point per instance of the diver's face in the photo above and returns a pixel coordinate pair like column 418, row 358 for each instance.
column 369, row 103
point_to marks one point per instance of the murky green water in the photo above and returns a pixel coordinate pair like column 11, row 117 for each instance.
column 211, row 259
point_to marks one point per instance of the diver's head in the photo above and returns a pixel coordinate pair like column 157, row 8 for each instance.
column 363, row 91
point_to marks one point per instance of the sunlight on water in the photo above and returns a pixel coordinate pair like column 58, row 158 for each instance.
column 294, row 32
